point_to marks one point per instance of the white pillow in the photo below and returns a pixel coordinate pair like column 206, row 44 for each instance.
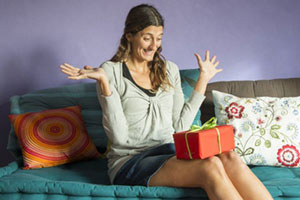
column 266, row 129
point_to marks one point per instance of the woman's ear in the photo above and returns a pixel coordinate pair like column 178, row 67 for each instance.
column 128, row 36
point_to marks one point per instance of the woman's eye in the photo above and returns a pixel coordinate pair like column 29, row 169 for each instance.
column 146, row 39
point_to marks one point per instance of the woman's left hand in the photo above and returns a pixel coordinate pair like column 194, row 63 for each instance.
column 208, row 67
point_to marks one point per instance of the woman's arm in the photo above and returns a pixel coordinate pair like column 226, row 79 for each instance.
column 114, row 120
column 104, row 87
column 185, row 112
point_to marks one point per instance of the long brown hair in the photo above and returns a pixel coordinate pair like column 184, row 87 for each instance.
column 138, row 18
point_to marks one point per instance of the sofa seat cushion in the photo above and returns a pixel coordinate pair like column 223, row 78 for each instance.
column 82, row 179
column 89, row 179
column 89, row 171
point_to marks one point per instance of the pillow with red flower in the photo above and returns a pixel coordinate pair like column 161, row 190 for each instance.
column 266, row 129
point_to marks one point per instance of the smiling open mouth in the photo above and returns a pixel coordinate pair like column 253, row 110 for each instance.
column 148, row 52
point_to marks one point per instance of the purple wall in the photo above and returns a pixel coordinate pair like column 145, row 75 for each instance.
column 256, row 39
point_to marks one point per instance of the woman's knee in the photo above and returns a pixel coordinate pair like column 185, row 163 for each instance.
column 214, row 162
column 214, row 167
column 231, row 158
column 214, row 172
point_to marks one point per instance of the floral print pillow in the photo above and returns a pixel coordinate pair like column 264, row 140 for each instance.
column 266, row 129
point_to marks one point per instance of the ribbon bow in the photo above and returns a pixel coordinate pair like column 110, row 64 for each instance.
column 207, row 125
column 211, row 123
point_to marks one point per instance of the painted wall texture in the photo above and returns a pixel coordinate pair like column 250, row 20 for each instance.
column 257, row 39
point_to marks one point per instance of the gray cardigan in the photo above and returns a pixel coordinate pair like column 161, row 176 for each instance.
column 134, row 121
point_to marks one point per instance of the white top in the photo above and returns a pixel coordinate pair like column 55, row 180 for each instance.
column 134, row 121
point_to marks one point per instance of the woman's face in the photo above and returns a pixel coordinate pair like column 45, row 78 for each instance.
column 145, row 43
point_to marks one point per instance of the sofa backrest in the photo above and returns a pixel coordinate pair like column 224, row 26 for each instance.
column 272, row 88
column 83, row 94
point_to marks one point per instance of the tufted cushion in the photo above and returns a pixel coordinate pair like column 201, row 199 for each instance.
column 88, row 180
column 53, row 137
column 82, row 94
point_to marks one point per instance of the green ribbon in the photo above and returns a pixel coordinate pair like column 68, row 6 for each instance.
column 211, row 123
column 207, row 125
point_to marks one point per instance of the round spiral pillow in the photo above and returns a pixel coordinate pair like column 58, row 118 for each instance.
column 53, row 137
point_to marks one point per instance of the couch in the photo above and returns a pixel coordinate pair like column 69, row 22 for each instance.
column 87, row 180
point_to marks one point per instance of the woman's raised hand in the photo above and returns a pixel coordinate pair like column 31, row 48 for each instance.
column 87, row 72
column 208, row 66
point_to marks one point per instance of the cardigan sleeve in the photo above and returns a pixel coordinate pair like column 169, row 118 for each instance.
column 114, row 120
column 183, row 112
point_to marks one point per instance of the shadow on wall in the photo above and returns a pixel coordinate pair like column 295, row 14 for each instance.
column 20, row 74
column 6, row 156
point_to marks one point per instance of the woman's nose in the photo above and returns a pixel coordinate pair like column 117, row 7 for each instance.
column 154, row 44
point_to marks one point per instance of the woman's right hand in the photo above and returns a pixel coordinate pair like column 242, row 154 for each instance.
column 87, row 72
column 97, row 74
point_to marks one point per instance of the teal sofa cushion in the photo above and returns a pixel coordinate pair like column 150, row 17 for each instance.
column 79, row 179
column 89, row 180
column 83, row 94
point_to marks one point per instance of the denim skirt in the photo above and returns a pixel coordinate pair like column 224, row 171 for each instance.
column 141, row 167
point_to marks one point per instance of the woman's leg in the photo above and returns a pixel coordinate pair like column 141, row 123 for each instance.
column 208, row 174
column 247, row 184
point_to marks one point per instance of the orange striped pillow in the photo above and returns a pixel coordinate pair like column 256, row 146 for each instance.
column 53, row 137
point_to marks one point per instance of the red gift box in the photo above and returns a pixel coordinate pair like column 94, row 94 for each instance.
column 204, row 143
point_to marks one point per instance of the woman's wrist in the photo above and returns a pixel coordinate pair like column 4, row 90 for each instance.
column 203, row 78
column 201, row 84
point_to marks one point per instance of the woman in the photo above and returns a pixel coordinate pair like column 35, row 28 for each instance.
column 143, row 105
